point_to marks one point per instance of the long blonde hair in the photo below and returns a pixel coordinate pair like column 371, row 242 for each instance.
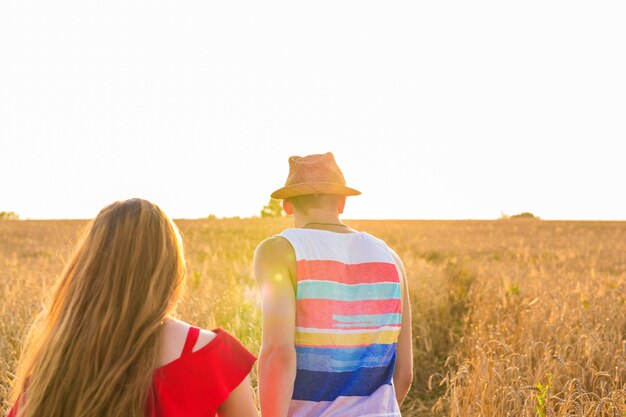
column 93, row 350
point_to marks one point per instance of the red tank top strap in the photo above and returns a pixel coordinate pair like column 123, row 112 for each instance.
column 190, row 342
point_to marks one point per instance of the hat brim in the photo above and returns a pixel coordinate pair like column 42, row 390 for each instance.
column 307, row 188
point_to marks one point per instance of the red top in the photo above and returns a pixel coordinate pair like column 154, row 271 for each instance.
column 198, row 382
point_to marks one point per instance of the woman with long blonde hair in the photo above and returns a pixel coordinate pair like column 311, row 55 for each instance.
column 106, row 345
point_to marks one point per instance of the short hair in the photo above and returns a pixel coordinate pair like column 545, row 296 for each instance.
column 303, row 203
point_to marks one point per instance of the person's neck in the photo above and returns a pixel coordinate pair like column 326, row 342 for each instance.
column 320, row 220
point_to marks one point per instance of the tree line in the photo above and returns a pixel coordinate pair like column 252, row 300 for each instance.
column 9, row 215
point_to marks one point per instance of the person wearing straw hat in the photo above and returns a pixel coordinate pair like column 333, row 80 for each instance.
column 336, row 314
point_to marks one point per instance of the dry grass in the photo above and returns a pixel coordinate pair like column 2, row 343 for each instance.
column 516, row 318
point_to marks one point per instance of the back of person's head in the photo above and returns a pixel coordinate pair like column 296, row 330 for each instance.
column 93, row 350
column 305, row 204
column 314, row 182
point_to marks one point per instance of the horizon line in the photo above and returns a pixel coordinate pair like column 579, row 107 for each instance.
column 209, row 217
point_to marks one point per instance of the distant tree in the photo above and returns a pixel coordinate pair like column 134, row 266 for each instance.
column 8, row 215
column 273, row 209
column 212, row 217
column 524, row 215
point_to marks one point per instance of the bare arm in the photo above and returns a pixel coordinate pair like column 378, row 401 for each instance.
column 277, row 360
column 403, row 373
column 240, row 402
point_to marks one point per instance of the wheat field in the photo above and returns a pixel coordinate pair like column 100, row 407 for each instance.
column 510, row 318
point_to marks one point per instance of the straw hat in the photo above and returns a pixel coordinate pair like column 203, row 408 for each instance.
column 314, row 174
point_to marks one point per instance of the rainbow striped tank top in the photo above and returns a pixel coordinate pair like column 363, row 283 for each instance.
column 348, row 315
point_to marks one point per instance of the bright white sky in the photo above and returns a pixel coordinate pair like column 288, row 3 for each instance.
column 442, row 109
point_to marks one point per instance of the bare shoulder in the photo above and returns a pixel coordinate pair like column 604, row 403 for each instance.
column 396, row 259
column 275, row 258
column 204, row 338
column 399, row 266
column 274, row 250
column 173, row 337
column 274, row 246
